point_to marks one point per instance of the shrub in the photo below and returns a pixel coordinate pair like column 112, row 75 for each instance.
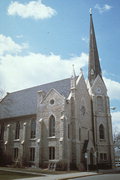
column 61, row 165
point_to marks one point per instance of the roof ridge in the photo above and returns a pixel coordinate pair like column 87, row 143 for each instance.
column 38, row 86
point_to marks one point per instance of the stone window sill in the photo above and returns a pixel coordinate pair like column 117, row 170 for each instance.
column 102, row 140
column 16, row 140
column 52, row 137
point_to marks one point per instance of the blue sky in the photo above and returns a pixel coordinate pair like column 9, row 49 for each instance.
column 40, row 40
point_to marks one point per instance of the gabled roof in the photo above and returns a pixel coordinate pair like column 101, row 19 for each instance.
column 24, row 102
column 49, row 93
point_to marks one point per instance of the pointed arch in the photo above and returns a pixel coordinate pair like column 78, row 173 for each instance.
column 100, row 104
column 17, row 130
column 91, row 156
column 101, row 131
column 51, row 126
column 33, row 128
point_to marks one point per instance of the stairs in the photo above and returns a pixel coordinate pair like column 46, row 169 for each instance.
column 52, row 166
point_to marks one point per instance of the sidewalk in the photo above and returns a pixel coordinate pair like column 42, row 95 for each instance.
column 42, row 176
column 61, row 176
column 69, row 176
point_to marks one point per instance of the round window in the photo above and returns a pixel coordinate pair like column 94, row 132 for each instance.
column 83, row 110
column 52, row 101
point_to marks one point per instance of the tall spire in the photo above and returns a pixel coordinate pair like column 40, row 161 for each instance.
column 94, row 64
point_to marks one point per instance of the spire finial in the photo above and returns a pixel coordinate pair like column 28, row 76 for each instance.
column 90, row 11
column 73, row 79
column 74, row 71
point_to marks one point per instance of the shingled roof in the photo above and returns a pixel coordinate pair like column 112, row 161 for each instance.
column 24, row 102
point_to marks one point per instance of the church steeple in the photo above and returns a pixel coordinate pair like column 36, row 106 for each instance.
column 94, row 68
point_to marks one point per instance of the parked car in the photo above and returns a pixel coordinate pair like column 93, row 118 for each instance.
column 117, row 164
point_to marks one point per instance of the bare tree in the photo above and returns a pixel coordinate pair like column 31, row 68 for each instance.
column 116, row 137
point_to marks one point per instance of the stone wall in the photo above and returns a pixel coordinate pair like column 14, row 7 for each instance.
column 44, row 111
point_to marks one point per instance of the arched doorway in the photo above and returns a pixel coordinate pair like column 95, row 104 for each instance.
column 91, row 159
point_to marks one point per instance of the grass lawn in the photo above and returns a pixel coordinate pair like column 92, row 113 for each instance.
column 5, row 175
column 35, row 170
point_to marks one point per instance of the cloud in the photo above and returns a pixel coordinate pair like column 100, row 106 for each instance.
column 113, row 88
column 7, row 45
column 103, row 9
column 32, row 69
column 116, row 119
column 114, row 93
column 34, row 9
column 19, row 72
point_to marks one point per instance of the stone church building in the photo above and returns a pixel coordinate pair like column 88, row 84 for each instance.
column 64, row 123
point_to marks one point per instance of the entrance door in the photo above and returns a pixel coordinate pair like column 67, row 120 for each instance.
column 91, row 160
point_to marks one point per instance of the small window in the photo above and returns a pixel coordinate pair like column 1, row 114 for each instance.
column 100, row 104
column 103, row 156
column 51, row 153
column 79, row 134
column 101, row 132
column 33, row 129
column 52, row 101
column 52, row 126
column 83, row 110
column 17, row 130
column 16, row 150
column 32, row 154
column 62, row 113
column 68, row 131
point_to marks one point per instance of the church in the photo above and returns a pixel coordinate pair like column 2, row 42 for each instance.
column 60, row 125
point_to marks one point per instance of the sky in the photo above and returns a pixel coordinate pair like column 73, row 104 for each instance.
column 40, row 40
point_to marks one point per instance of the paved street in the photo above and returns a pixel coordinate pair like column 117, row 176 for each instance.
column 100, row 177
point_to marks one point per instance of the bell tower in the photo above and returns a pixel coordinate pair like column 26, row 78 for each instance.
column 101, row 117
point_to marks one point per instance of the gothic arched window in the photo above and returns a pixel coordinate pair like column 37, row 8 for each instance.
column 32, row 154
column 52, row 126
column 17, row 130
column 16, row 152
column 2, row 128
column 68, row 131
column 101, row 132
column 33, row 129
column 100, row 104
column 79, row 134
column 51, row 153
